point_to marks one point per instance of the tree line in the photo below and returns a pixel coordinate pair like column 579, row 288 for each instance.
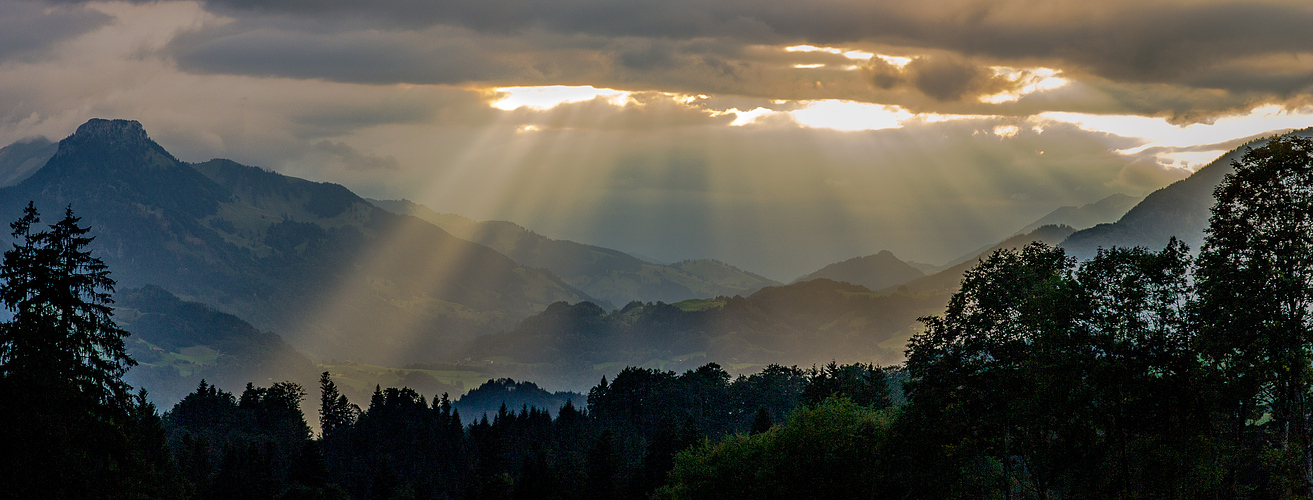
column 1136, row 374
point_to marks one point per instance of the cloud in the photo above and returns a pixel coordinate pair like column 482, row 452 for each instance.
column 948, row 78
column 884, row 75
column 1120, row 37
column 640, row 111
column 28, row 28
column 441, row 55
column 1146, row 174
column 1197, row 61
column 648, row 54
column 351, row 158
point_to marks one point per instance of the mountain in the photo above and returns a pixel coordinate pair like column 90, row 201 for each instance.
column 20, row 159
column 612, row 276
column 804, row 323
column 876, row 272
column 1180, row 209
column 178, row 343
column 1103, row 211
column 951, row 279
column 335, row 275
column 812, row 322
column 926, row 268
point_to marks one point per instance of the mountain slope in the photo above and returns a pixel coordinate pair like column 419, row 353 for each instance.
column 950, row 279
column 614, row 277
column 178, row 343
column 1103, row 211
column 1180, row 209
column 335, row 275
column 21, row 159
column 878, row 271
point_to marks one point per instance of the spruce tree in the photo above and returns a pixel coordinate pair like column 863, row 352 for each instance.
column 335, row 412
column 62, row 359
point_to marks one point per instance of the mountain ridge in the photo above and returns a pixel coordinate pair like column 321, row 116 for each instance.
column 876, row 271
column 21, row 159
column 615, row 277
column 1179, row 210
column 1106, row 210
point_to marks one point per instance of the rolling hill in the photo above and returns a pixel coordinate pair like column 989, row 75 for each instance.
column 612, row 276
column 876, row 272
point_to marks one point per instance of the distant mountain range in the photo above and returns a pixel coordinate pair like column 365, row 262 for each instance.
column 951, row 278
column 337, row 276
column 1103, row 211
column 812, row 322
column 885, row 273
column 1106, row 210
column 614, row 277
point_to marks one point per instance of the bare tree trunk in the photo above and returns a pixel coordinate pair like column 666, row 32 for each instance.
column 1305, row 441
column 1007, row 464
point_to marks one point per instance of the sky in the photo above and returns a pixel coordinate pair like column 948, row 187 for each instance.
column 775, row 135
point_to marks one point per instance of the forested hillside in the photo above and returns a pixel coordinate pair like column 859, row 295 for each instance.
column 178, row 343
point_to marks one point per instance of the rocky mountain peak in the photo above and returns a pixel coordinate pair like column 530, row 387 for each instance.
column 123, row 132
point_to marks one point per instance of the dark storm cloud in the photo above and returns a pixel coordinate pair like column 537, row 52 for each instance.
column 948, row 78
column 450, row 106
column 356, row 57
column 28, row 28
column 1125, row 39
column 1209, row 57
column 884, row 75
column 648, row 54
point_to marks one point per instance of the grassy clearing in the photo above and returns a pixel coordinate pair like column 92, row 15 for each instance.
column 186, row 361
column 699, row 304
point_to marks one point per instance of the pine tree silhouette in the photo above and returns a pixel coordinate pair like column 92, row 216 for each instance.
column 62, row 359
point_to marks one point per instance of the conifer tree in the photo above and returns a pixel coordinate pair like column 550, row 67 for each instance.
column 62, row 359
column 335, row 412
column 62, row 329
